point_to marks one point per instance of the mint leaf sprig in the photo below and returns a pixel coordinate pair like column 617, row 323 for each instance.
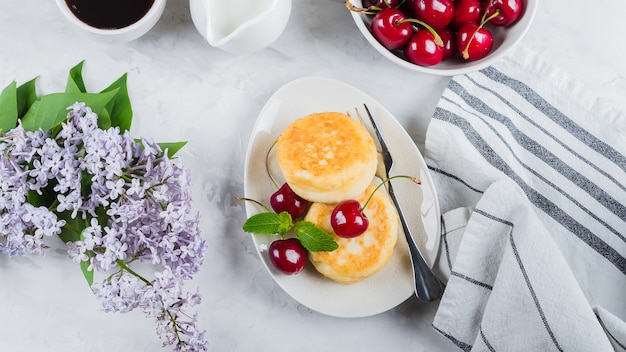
column 312, row 237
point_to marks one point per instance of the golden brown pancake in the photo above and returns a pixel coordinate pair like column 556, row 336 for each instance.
column 362, row 256
column 327, row 157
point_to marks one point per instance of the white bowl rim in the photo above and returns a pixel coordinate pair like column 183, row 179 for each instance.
column 523, row 23
column 155, row 10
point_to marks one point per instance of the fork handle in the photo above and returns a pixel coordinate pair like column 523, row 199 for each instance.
column 427, row 286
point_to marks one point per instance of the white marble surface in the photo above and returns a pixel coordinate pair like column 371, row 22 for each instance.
column 183, row 89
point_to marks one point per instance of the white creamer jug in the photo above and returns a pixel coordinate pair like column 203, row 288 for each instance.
column 240, row 26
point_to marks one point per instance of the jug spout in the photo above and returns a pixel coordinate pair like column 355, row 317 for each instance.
column 240, row 26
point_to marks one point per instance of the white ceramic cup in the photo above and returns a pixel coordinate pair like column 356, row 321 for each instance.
column 125, row 34
column 240, row 26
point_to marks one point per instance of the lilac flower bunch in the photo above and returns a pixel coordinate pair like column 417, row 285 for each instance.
column 119, row 204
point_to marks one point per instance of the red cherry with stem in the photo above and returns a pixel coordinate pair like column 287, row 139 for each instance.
column 390, row 29
column 437, row 13
column 285, row 199
column 348, row 219
column 288, row 255
column 466, row 11
column 474, row 42
column 422, row 49
column 506, row 11
column 426, row 48
column 449, row 43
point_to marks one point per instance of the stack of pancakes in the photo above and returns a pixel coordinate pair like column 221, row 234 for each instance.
column 329, row 157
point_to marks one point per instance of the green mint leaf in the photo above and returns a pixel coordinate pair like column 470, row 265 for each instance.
column 286, row 222
column 269, row 223
column 314, row 238
column 8, row 107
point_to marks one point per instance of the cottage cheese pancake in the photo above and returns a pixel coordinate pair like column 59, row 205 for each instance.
column 359, row 257
column 327, row 157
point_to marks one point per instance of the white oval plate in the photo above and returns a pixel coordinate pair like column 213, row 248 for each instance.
column 393, row 284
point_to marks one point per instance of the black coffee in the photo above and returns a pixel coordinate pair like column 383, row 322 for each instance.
column 109, row 14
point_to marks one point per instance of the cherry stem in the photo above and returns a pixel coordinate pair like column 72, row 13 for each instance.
column 255, row 202
column 482, row 20
column 432, row 31
column 493, row 15
column 267, row 166
column 368, row 11
column 414, row 179
column 465, row 52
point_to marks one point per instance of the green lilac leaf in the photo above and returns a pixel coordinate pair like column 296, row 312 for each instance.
column 45, row 199
column 75, row 82
column 85, row 184
column 314, row 238
column 84, row 264
column 51, row 110
column 8, row 107
column 84, row 267
column 104, row 119
column 120, row 107
column 268, row 223
column 101, row 216
column 26, row 96
column 172, row 147
column 71, row 231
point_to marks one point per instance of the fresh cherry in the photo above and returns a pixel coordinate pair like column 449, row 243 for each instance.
column 390, row 28
column 285, row 199
column 437, row 13
column 506, row 11
column 474, row 42
column 449, row 43
column 348, row 219
column 447, row 17
column 466, row 11
column 423, row 50
column 288, row 255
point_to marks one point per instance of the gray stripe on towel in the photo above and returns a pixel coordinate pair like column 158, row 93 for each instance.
column 557, row 116
column 543, row 153
column 539, row 200
column 462, row 345
column 545, row 180
column 522, row 268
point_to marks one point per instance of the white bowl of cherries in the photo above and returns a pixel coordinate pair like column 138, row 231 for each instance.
column 443, row 37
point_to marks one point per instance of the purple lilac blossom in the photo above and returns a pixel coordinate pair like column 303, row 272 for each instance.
column 146, row 198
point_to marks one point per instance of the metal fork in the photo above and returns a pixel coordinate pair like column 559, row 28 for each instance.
column 427, row 285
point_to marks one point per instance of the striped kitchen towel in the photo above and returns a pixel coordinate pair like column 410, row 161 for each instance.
column 530, row 170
